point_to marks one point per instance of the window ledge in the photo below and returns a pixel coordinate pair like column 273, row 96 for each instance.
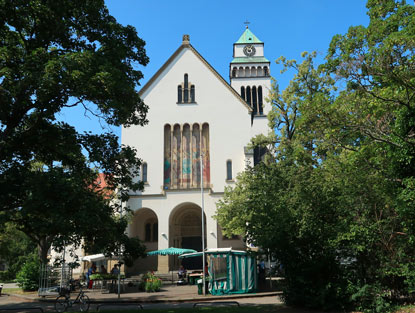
column 186, row 103
column 230, row 180
column 259, row 76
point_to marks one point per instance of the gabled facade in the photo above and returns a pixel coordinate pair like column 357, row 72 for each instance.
column 193, row 113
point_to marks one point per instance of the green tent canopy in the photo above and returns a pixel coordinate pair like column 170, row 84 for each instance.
column 171, row 251
column 230, row 271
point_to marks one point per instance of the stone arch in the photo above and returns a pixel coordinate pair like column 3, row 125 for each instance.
column 247, row 71
column 144, row 225
column 266, row 71
column 241, row 72
column 253, row 71
column 185, row 231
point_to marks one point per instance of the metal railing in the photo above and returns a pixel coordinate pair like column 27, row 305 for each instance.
column 20, row 309
column 219, row 303
column 118, row 304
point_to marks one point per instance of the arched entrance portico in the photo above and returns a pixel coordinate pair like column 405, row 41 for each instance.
column 185, row 231
column 145, row 226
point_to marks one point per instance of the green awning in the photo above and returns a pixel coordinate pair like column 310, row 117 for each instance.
column 171, row 251
column 215, row 251
column 190, row 255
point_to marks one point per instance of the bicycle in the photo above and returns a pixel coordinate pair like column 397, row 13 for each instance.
column 63, row 302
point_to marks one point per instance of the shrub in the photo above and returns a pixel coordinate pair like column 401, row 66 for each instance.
column 103, row 276
column 150, row 283
column 28, row 277
column 6, row 276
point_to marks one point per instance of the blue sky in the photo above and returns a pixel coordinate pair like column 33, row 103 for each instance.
column 286, row 27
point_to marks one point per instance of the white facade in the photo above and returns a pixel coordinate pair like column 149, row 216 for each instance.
column 188, row 116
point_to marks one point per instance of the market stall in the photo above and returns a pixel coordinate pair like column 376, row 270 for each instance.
column 230, row 271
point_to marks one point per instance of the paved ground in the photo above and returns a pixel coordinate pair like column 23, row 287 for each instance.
column 169, row 297
column 10, row 285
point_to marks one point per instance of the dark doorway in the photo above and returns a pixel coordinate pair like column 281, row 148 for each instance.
column 194, row 243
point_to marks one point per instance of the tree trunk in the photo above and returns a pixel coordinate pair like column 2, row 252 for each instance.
column 43, row 248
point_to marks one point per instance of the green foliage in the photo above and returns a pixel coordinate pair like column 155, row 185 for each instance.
column 335, row 203
column 15, row 249
column 6, row 276
column 150, row 283
column 54, row 56
column 104, row 276
column 28, row 277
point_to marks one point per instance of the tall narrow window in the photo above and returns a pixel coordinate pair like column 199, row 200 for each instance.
column 266, row 71
column 187, row 158
column 176, row 157
column 167, row 156
column 155, row 231
column 234, row 72
column 192, row 93
column 248, row 95
column 196, row 155
column 261, row 109
column 205, row 152
column 254, row 100
column 229, row 170
column 144, row 172
column 179, row 94
column 183, row 146
column 243, row 92
column 148, row 232
column 186, row 89
column 247, row 72
column 259, row 153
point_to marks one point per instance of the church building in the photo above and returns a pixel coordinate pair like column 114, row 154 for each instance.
column 195, row 114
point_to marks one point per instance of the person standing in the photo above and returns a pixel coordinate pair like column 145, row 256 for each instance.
column 91, row 271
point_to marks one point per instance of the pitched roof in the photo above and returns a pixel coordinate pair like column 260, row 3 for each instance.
column 248, row 37
column 187, row 45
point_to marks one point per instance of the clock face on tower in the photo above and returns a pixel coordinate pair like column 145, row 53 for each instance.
column 249, row 50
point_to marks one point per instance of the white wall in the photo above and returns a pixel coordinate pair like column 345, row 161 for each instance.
column 228, row 118
column 230, row 130
column 238, row 50
column 164, row 205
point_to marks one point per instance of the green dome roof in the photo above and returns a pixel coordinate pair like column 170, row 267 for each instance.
column 248, row 37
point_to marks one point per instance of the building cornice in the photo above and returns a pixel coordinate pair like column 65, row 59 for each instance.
column 165, row 192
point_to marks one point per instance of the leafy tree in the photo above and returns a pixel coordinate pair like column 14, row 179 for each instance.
column 15, row 248
column 283, row 204
column 28, row 277
column 55, row 55
column 336, row 202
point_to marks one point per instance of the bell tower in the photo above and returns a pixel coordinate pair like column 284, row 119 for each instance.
column 249, row 74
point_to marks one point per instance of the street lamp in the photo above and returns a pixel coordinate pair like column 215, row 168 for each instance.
column 203, row 225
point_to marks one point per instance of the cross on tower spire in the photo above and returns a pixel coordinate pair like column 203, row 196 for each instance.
column 246, row 23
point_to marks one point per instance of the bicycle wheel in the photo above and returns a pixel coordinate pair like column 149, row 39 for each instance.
column 61, row 304
column 83, row 303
